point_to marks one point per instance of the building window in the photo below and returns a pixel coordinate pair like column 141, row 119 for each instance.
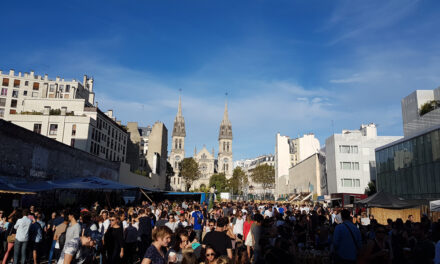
column 349, row 165
column 73, row 130
column 344, row 149
column 345, row 165
column 355, row 165
column 4, row 91
column 37, row 128
column 61, row 88
column 36, row 86
column 52, row 88
column 354, row 149
column 2, row 112
column 34, row 94
column 16, row 83
column 24, row 93
column 15, row 93
column 72, row 142
column 53, row 129
column 13, row 103
column 5, row 82
column 2, row 101
column 357, row 183
column 348, row 149
column 67, row 88
column 347, row 182
column 26, row 83
column 12, row 111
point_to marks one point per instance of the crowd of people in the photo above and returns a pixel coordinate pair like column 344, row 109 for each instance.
column 230, row 232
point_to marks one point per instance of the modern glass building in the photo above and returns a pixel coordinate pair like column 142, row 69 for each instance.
column 410, row 167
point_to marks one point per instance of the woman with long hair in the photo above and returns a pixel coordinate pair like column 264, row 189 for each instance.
column 210, row 256
column 10, row 237
column 181, row 242
column 156, row 253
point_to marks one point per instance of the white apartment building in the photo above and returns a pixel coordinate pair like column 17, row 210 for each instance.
column 248, row 165
column 289, row 152
column 413, row 121
column 62, row 110
column 350, row 158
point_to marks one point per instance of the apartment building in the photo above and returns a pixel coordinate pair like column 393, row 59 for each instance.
column 248, row 165
column 64, row 111
column 350, row 158
column 288, row 153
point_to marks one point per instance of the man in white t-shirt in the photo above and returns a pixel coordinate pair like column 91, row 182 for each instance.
column 268, row 213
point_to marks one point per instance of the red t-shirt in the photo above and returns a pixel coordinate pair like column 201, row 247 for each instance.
column 246, row 227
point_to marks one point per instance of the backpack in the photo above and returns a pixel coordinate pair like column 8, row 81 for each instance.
column 62, row 240
column 199, row 218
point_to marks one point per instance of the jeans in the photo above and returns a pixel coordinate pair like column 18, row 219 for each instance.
column 20, row 249
column 199, row 235
column 51, row 251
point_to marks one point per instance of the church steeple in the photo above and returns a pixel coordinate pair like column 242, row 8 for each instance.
column 225, row 127
column 179, row 122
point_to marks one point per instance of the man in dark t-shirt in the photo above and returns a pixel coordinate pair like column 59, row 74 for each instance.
column 218, row 239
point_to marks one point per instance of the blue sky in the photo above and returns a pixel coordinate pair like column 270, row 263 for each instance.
column 288, row 66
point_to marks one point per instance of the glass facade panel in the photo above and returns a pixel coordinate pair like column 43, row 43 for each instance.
column 411, row 169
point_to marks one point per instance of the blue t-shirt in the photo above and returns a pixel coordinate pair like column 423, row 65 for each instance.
column 281, row 210
column 197, row 215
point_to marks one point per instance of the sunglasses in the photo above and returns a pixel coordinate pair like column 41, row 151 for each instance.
column 212, row 254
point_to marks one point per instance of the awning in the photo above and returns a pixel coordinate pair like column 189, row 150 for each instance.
column 307, row 197
column 91, row 183
column 183, row 193
column 11, row 188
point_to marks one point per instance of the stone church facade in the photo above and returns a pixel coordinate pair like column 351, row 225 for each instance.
column 208, row 163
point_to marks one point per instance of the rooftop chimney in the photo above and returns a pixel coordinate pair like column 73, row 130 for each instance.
column 19, row 74
column 63, row 110
column 11, row 72
column 32, row 73
column 45, row 77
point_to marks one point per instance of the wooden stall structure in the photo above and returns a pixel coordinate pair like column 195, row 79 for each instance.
column 384, row 205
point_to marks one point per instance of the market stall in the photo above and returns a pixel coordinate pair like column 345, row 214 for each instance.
column 383, row 205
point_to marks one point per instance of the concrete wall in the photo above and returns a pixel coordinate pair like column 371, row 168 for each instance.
column 413, row 123
column 25, row 155
column 157, row 152
column 133, row 145
column 282, row 163
column 306, row 176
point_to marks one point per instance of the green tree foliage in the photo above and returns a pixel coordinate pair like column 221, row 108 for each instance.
column 221, row 184
column 371, row 188
column 429, row 106
column 189, row 170
column 238, row 181
column 264, row 175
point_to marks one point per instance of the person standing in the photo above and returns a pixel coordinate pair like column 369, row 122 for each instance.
column 172, row 223
column 156, row 253
column 130, row 241
column 145, row 228
column 347, row 240
column 197, row 220
column 74, row 229
column 36, row 237
column 218, row 239
column 21, row 237
column 114, row 241
column 78, row 250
